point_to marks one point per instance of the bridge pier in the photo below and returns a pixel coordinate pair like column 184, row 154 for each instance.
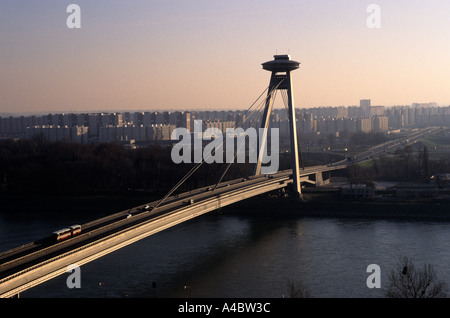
column 317, row 179
column 320, row 180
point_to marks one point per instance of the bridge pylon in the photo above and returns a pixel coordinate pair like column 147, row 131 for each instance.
column 281, row 68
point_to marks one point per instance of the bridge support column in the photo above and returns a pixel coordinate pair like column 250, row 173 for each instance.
column 320, row 180
column 281, row 68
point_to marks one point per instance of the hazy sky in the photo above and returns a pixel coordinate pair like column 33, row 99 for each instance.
column 191, row 54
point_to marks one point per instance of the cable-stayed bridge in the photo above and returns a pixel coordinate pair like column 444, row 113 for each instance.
column 34, row 263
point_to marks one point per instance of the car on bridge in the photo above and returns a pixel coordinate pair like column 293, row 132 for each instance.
column 146, row 208
column 67, row 233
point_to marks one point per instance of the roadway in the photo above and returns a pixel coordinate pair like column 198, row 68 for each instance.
column 388, row 147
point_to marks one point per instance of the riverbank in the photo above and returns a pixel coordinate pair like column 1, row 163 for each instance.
column 323, row 204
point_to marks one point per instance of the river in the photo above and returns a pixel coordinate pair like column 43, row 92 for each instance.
column 245, row 255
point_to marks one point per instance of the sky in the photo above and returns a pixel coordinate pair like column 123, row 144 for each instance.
column 207, row 54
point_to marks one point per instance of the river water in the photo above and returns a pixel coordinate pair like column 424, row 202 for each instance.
column 248, row 255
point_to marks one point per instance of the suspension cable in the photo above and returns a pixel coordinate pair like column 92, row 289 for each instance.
column 273, row 92
column 238, row 148
column 198, row 165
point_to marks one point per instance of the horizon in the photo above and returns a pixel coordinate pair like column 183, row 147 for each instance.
column 207, row 55
column 96, row 111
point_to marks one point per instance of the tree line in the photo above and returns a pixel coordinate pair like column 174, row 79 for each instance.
column 409, row 163
column 35, row 166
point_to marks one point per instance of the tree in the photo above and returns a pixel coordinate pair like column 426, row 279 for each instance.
column 408, row 282
column 404, row 156
column 426, row 162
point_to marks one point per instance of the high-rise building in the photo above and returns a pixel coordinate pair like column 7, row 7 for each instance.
column 342, row 112
column 364, row 125
column 376, row 110
column 364, row 105
column 380, row 123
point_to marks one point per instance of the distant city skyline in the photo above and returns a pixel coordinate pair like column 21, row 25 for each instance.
column 198, row 54
column 280, row 107
column 128, row 128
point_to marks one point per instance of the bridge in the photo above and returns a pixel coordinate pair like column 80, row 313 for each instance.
column 32, row 264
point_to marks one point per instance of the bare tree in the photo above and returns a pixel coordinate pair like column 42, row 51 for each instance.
column 408, row 282
column 404, row 155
